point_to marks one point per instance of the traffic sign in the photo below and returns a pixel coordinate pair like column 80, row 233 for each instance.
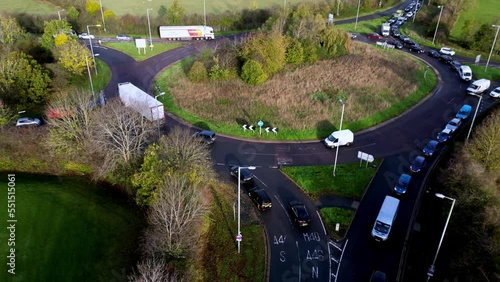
column 260, row 123
column 239, row 237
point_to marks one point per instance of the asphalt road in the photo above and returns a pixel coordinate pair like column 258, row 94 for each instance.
column 303, row 255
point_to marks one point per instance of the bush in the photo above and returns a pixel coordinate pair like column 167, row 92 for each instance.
column 294, row 52
column 198, row 72
column 252, row 73
column 310, row 52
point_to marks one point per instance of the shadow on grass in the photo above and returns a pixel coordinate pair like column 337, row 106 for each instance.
column 202, row 124
column 324, row 128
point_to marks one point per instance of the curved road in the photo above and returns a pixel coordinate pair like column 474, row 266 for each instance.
column 304, row 255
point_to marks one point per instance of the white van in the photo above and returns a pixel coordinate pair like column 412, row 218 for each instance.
column 339, row 138
column 479, row 86
column 385, row 219
column 465, row 73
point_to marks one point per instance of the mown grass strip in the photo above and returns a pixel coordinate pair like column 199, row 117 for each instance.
column 129, row 49
column 332, row 216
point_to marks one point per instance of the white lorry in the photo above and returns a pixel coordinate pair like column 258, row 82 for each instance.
column 479, row 86
column 196, row 32
column 339, row 138
column 386, row 28
column 133, row 97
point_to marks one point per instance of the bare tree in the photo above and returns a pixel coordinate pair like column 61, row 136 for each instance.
column 485, row 147
column 120, row 135
column 174, row 219
column 154, row 270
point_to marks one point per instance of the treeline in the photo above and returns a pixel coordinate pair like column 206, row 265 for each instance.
column 473, row 179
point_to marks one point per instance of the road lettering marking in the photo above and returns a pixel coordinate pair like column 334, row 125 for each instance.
column 313, row 236
column 282, row 256
column 315, row 272
column 279, row 240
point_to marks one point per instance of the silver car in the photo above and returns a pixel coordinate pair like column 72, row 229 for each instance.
column 28, row 122
column 454, row 124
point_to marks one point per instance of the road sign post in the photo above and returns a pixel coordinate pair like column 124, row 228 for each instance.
column 260, row 124
column 365, row 157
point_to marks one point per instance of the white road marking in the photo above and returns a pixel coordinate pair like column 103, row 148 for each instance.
column 324, row 229
column 340, row 261
column 289, row 219
column 298, row 255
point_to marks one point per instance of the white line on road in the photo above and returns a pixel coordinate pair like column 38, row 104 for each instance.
column 330, row 263
column 324, row 229
column 284, row 210
column 298, row 255
column 340, row 261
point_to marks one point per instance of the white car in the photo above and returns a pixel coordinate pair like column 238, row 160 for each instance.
column 495, row 93
column 447, row 51
column 123, row 37
column 85, row 36
column 454, row 124
column 28, row 121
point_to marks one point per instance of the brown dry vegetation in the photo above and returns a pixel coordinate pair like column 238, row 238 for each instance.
column 368, row 79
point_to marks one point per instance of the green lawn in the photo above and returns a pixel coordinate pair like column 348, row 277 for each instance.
column 484, row 11
column 491, row 73
column 28, row 7
column 332, row 216
column 365, row 27
column 69, row 229
column 351, row 180
column 129, row 49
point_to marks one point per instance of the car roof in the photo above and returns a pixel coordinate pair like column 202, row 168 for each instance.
column 446, row 130
column 23, row 119
column 405, row 178
column 457, row 120
column 466, row 108
column 262, row 194
column 207, row 132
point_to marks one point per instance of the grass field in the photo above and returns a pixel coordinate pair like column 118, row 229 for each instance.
column 332, row 216
column 302, row 102
column 68, row 229
column 351, row 180
column 28, row 7
column 484, row 11
column 129, row 49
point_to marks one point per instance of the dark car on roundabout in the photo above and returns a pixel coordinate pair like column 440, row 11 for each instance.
column 432, row 148
column 444, row 135
column 433, row 54
column 445, row 59
column 455, row 65
column 375, row 36
column 299, row 213
column 245, row 174
column 396, row 44
column 260, row 198
column 402, row 185
column 416, row 48
column 417, row 164
column 205, row 136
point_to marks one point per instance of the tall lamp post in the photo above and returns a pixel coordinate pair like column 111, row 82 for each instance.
column 435, row 32
column 90, row 42
column 90, row 76
column 338, row 7
column 340, row 128
column 357, row 15
column 475, row 113
column 492, row 46
column 102, row 16
column 149, row 27
column 59, row 13
column 430, row 272
column 156, row 98
column 238, row 237
column 204, row 13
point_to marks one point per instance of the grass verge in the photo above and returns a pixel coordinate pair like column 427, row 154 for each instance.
column 351, row 180
column 332, row 216
column 99, row 80
column 220, row 260
column 490, row 73
column 69, row 229
column 129, row 49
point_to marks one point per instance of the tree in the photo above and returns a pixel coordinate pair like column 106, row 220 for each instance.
column 485, row 146
column 304, row 23
column 92, row 6
column 469, row 28
column 73, row 13
column 51, row 30
column 269, row 49
column 162, row 12
column 334, row 41
column 252, row 73
column 198, row 72
column 483, row 38
column 174, row 219
column 72, row 57
column 10, row 31
column 154, row 270
column 175, row 13
column 294, row 52
column 177, row 154
column 109, row 15
column 6, row 115
column 61, row 39
column 23, row 82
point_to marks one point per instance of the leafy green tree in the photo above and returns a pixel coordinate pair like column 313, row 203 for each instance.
column 483, row 38
column 294, row 52
column 23, row 82
column 162, row 12
column 73, row 13
column 252, row 73
column 109, row 15
column 269, row 49
column 334, row 41
column 51, row 30
column 10, row 31
column 310, row 51
column 469, row 30
column 198, row 72
column 304, row 23
column 6, row 115
column 92, row 6
column 71, row 56
column 175, row 13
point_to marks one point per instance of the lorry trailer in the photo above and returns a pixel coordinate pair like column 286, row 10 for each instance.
column 195, row 32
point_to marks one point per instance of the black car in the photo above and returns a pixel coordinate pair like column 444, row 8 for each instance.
column 396, row 44
column 205, row 136
column 404, row 38
column 395, row 32
column 455, row 65
column 445, row 59
column 432, row 148
column 444, row 135
column 416, row 48
column 417, row 164
column 433, row 54
column 245, row 174
column 260, row 198
column 392, row 20
column 409, row 42
column 299, row 213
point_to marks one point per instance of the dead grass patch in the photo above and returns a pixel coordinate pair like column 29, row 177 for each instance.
column 369, row 80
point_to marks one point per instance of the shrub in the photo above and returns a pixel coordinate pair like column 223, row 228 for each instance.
column 310, row 52
column 198, row 72
column 294, row 52
column 252, row 73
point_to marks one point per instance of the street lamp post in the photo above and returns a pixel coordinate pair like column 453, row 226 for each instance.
column 439, row 18
column 338, row 7
column 90, row 42
column 102, row 16
column 90, row 76
column 149, row 27
column 59, row 13
column 357, row 15
column 475, row 113
column 430, row 272
column 340, row 128
column 156, row 98
column 492, row 46
column 204, row 13
column 238, row 238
